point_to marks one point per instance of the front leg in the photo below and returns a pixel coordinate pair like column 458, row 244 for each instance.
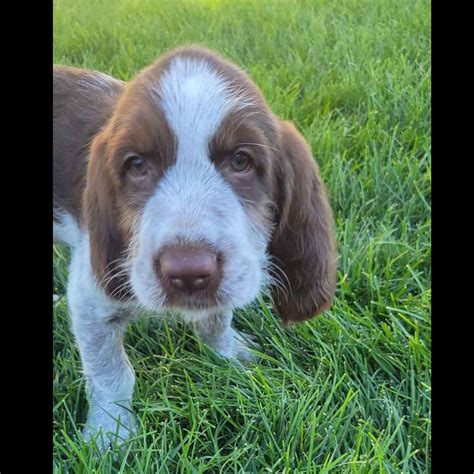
column 99, row 327
column 217, row 332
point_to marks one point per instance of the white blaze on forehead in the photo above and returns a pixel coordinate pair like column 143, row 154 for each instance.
column 195, row 99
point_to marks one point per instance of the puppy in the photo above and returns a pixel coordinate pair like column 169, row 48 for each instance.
column 180, row 191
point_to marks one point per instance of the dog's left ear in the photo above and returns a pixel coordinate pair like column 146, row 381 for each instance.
column 303, row 246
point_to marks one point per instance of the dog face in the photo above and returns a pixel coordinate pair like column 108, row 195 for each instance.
column 198, row 196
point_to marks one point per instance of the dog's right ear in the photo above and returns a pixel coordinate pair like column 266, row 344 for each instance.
column 106, row 241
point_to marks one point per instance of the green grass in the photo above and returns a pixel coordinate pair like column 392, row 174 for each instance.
column 348, row 391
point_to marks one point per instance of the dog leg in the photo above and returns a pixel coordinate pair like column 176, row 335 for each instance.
column 99, row 327
column 217, row 332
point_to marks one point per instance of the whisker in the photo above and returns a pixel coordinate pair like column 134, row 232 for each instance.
column 118, row 273
column 274, row 268
column 274, row 280
column 248, row 201
column 123, row 286
column 258, row 144
column 244, row 117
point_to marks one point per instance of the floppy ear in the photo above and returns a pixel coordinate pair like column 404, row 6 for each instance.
column 106, row 242
column 303, row 245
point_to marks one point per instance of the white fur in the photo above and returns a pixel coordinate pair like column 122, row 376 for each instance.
column 66, row 229
column 98, row 324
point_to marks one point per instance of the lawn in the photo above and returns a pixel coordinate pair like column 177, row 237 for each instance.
column 350, row 390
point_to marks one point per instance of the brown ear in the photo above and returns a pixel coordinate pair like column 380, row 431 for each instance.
column 101, row 217
column 303, row 246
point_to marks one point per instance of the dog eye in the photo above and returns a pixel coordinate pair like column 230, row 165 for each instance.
column 136, row 166
column 241, row 162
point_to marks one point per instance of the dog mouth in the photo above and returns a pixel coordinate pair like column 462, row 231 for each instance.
column 200, row 301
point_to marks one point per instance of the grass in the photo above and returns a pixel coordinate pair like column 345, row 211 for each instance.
column 348, row 391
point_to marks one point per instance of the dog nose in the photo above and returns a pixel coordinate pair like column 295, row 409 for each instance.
column 188, row 269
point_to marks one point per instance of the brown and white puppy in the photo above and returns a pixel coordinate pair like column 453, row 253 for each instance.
column 180, row 191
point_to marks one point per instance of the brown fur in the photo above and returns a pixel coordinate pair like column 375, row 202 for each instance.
column 82, row 104
column 303, row 243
